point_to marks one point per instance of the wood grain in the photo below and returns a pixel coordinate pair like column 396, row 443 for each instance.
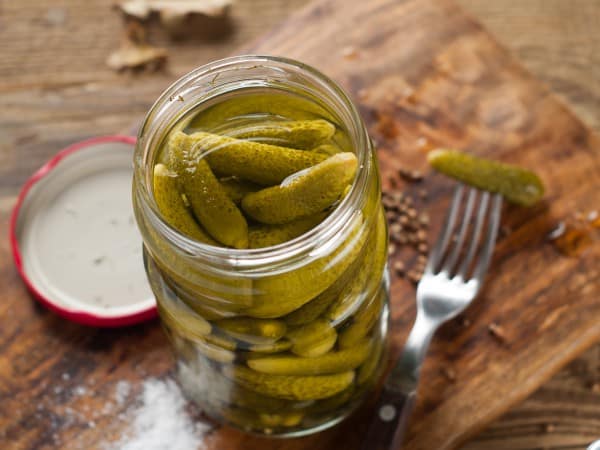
column 443, row 79
column 556, row 40
column 55, row 90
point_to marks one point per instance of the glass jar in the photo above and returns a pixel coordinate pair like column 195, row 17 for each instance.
column 283, row 340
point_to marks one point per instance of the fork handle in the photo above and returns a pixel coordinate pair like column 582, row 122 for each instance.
column 388, row 424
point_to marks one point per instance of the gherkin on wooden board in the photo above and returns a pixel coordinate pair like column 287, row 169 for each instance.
column 516, row 184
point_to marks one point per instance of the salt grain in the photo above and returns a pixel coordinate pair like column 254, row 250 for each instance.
column 80, row 391
column 122, row 392
column 161, row 421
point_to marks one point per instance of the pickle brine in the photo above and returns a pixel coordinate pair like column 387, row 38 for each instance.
column 303, row 343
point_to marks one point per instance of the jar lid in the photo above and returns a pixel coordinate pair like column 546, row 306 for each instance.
column 74, row 237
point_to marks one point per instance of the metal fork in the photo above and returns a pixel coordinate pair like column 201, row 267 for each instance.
column 453, row 276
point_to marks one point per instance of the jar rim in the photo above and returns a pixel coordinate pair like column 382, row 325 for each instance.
column 314, row 242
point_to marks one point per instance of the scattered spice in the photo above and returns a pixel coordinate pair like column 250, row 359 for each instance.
column 407, row 225
column 572, row 241
column 410, row 175
column 419, row 268
column 395, row 229
column 362, row 94
column 399, row 267
column 574, row 234
column 449, row 373
column 71, row 211
column 410, row 96
column 350, row 52
column 505, row 231
column 99, row 260
column 557, row 232
column 386, row 125
column 423, row 144
column 135, row 52
column 414, row 276
column 497, row 332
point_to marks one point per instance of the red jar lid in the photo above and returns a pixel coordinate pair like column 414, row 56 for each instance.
column 74, row 238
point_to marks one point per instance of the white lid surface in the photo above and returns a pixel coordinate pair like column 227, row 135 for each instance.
column 76, row 242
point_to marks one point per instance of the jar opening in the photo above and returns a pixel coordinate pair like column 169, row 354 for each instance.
column 208, row 85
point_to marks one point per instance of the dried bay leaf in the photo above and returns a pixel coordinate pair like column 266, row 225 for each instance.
column 174, row 8
column 135, row 52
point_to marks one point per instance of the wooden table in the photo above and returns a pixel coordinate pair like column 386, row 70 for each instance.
column 55, row 89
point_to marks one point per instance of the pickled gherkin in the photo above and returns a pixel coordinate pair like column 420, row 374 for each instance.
column 311, row 387
column 302, row 134
column 180, row 317
column 362, row 323
column 168, row 196
column 313, row 339
column 261, row 236
column 281, row 345
column 303, row 194
column 256, row 331
column 326, row 149
column 262, row 421
column 329, row 405
column 237, row 189
column 263, row 164
column 270, row 348
column 313, row 309
column 361, row 287
column 281, row 294
column 372, row 364
column 221, row 341
column 517, row 185
column 210, row 203
column 214, row 352
column 333, row 362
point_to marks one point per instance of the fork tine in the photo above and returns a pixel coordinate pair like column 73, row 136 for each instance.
column 464, row 226
column 440, row 246
column 488, row 249
column 481, row 214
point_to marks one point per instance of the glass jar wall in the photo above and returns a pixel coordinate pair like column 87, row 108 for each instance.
column 287, row 336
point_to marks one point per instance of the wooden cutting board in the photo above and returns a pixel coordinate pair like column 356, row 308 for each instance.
column 424, row 74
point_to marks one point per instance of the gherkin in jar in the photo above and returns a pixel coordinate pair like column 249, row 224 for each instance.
column 270, row 280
